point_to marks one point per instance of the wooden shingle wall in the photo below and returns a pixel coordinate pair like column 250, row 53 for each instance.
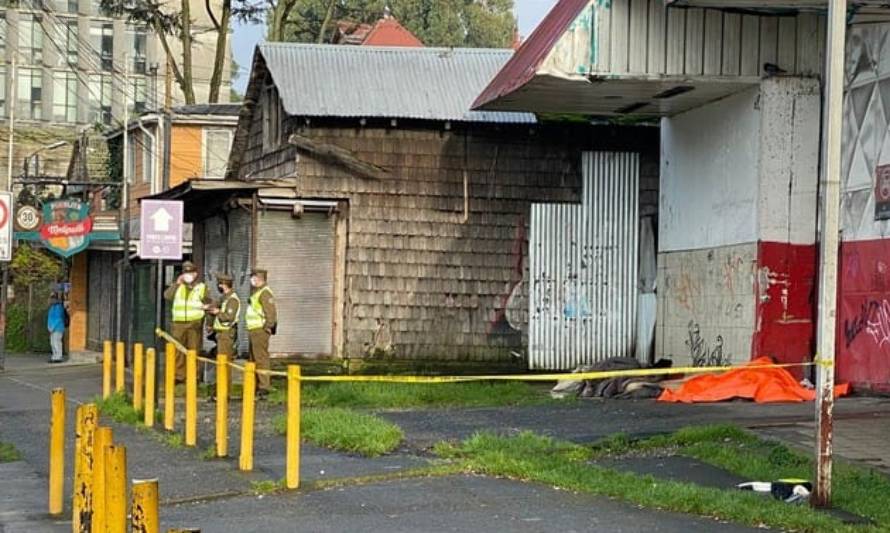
column 446, row 288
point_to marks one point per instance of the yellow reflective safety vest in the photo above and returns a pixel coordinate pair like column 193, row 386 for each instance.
column 188, row 304
column 255, row 315
column 219, row 325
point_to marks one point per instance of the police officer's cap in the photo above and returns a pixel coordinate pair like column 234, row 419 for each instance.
column 224, row 279
column 259, row 272
column 188, row 266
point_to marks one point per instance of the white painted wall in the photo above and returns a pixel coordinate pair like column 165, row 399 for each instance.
column 709, row 175
column 789, row 160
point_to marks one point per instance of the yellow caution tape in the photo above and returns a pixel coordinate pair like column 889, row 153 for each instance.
column 561, row 376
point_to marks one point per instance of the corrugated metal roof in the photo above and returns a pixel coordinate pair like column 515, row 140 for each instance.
column 390, row 82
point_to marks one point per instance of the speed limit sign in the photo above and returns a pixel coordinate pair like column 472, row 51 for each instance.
column 5, row 226
column 27, row 218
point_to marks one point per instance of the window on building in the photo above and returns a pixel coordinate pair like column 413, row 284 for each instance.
column 137, row 94
column 3, row 35
column 2, row 91
column 138, row 37
column 271, row 118
column 131, row 158
column 30, row 38
column 71, row 44
column 66, row 6
column 217, row 143
column 29, row 93
column 100, row 98
column 102, row 38
column 148, row 160
column 64, row 97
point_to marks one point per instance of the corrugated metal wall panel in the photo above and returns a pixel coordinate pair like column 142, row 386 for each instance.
column 646, row 37
column 299, row 255
column 238, row 264
column 583, row 268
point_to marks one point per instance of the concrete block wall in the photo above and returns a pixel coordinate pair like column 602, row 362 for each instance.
column 706, row 305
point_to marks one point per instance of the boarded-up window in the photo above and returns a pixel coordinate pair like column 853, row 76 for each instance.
column 217, row 144
column 271, row 106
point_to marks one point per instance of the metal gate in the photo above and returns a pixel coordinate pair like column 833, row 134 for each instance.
column 583, row 268
column 299, row 255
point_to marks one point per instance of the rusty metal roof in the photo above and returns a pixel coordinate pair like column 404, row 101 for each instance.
column 385, row 82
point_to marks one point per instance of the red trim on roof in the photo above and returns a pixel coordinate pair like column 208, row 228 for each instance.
column 521, row 68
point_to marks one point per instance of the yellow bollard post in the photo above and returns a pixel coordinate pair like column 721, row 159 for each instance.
column 150, row 387
column 138, row 369
column 82, row 504
column 245, row 462
column 116, row 489
column 222, row 405
column 191, row 398
column 169, row 385
column 102, row 440
column 57, row 452
column 120, row 365
column 106, row 369
column 293, row 427
column 144, row 510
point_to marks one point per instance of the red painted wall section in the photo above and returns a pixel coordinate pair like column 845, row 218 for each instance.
column 785, row 288
column 863, row 329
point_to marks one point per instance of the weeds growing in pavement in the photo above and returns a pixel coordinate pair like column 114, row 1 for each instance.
column 8, row 453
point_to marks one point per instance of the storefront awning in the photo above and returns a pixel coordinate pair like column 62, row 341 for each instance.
column 202, row 197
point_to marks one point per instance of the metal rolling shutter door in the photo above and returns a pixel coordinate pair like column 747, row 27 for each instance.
column 239, row 265
column 299, row 255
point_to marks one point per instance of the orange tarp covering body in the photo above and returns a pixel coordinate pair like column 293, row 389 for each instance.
column 763, row 385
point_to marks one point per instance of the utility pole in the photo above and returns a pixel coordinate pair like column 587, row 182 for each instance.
column 4, row 277
column 831, row 193
column 124, row 209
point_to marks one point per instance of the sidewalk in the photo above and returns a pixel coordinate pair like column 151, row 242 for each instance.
column 215, row 495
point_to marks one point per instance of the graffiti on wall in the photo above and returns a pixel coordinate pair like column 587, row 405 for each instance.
column 873, row 319
column 700, row 352
column 512, row 299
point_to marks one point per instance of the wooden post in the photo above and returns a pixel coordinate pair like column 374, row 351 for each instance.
column 107, row 360
column 138, row 370
column 120, row 365
column 191, row 398
column 102, row 440
column 293, row 427
column 245, row 461
column 116, row 489
column 150, row 387
column 222, row 405
column 145, row 506
column 57, row 452
column 169, row 386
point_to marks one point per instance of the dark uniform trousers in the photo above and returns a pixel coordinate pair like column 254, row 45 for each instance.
column 259, row 353
column 225, row 343
column 191, row 335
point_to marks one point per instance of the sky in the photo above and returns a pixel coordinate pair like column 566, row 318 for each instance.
column 528, row 12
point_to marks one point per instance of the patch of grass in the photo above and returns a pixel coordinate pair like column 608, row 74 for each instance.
column 173, row 440
column 376, row 395
column 209, row 453
column 437, row 470
column 8, row 453
column 542, row 459
column 267, row 486
column 856, row 489
column 118, row 407
column 346, row 430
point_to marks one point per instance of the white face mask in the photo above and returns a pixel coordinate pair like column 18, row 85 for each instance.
column 188, row 278
column 254, row 281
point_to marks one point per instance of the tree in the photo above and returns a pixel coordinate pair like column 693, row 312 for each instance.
column 168, row 23
column 451, row 23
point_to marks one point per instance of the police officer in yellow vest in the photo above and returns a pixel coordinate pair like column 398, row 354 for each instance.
column 226, row 311
column 261, row 321
column 190, row 301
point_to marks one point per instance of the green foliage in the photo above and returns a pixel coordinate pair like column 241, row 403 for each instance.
column 117, row 406
column 32, row 265
column 562, row 464
column 346, row 430
column 8, row 453
column 266, row 486
column 376, row 395
column 448, row 23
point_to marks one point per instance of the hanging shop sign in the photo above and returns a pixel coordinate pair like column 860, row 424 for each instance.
column 66, row 226
column 882, row 192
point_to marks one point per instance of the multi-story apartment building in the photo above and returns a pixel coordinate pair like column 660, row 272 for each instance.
column 76, row 66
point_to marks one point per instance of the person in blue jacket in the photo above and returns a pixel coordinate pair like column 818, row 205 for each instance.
column 55, row 323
